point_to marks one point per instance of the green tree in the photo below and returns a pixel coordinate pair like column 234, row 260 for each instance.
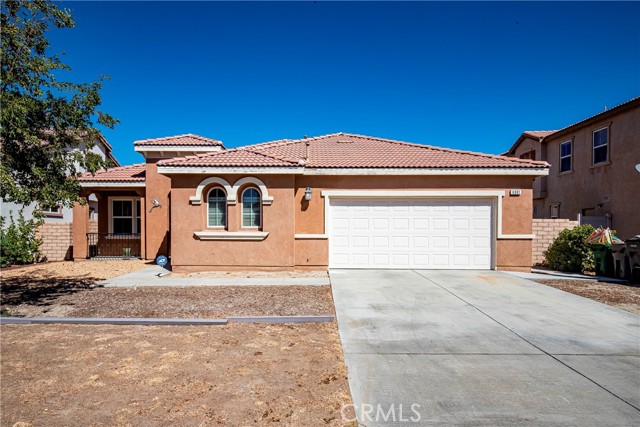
column 44, row 121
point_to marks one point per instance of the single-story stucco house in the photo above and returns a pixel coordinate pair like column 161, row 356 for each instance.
column 332, row 201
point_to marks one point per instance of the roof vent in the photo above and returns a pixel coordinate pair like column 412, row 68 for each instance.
column 344, row 141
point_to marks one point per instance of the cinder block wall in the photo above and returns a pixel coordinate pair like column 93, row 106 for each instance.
column 57, row 239
column 546, row 230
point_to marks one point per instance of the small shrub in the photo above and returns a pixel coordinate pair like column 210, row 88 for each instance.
column 569, row 252
column 18, row 241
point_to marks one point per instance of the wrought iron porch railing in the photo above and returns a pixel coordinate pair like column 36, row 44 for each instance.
column 110, row 245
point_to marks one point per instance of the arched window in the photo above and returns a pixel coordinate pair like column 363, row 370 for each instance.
column 217, row 208
column 251, row 207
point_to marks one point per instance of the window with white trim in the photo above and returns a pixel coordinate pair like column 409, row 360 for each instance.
column 600, row 146
column 251, row 208
column 565, row 156
column 55, row 210
column 125, row 216
column 216, row 208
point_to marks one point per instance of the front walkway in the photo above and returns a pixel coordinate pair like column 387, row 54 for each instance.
column 484, row 349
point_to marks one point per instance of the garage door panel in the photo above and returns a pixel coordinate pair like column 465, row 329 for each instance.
column 410, row 233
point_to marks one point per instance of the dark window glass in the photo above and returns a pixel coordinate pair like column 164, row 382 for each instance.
column 217, row 210
column 600, row 155
column 565, row 156
column 600, row 146
column 122, row 226
column 251, row 208
column 122, row 214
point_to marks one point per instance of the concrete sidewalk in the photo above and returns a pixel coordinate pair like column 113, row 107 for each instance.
column 538, row 273
column 158, row 276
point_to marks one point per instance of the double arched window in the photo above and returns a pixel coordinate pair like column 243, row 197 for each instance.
column 251, row 208
column 217, row 208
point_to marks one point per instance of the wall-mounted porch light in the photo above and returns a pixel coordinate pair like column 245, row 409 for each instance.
column 307, row 194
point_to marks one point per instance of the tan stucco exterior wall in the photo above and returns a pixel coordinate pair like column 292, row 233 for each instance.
column 157, row 229
column 289, row 214
column 529, row 144
column 188, row 253
column 612, row 187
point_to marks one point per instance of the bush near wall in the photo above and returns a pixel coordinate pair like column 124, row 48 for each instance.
column 569, row 252
column 19, row 243
column 546, row 231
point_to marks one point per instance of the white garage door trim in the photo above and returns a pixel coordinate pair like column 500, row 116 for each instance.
column 495, row 196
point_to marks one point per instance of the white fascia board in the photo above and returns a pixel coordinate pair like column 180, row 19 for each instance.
column 109, row 184
column 232, row 170
column 177, row 148
column 404, row 194
column 428, row 171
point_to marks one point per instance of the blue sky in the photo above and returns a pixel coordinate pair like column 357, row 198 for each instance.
column 470, row 76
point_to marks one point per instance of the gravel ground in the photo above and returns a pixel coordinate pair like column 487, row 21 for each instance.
column 177, row 302
column 90, row 271
column 234, row 375
column 626, row 297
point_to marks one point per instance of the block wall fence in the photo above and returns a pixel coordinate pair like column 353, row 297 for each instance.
column 57, row 239
column 546, row 230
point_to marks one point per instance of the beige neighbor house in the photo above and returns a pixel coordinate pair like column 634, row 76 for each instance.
column 332, row 201
column 56, row 234
column 593, row 174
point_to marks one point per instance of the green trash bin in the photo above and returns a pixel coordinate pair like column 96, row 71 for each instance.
column 603, row 259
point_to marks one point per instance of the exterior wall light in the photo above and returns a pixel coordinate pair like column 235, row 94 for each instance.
column 307, row 194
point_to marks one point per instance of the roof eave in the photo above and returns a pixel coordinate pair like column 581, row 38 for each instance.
column 504, row 171
column 633, row 103
column 112, row 184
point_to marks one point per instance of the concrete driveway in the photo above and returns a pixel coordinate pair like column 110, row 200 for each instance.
column 486, row 348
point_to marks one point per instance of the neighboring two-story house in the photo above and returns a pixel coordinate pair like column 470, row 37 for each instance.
column 56, row 230
column 593, row 172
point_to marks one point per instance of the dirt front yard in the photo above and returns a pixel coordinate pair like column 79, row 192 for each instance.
column 85, row 271
column 68, row 289
column 178, row 302
column 626, row 297
column 234, row 375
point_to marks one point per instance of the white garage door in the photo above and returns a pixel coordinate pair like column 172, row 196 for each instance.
column 410, row 233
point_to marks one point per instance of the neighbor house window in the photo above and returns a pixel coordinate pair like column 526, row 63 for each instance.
column 529, row 155
column 600, row 146
column 54, row 211
column 565, row 156
column 125, row 216
column 251, row 207
column 217, row 208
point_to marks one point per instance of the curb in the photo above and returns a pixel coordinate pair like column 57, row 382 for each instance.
column 161, row 321
column 109, row 321
column 281, row 319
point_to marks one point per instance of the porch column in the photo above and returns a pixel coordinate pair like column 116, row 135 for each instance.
column 80, row 227
column 143, row 226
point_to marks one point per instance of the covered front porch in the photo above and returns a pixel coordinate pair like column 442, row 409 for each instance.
column 116, row 229
column 118, row 232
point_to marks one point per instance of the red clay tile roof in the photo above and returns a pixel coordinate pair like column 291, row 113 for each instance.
column 343, row 150
column 180, row 140
column 539, row 133
column 132, row 173
column 229, row 158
